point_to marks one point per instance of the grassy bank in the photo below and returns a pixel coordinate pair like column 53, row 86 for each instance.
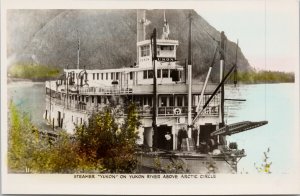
column 33, row 72
column 256, row 77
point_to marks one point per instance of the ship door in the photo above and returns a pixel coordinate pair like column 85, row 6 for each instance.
column 161, row 141
column 205, row 131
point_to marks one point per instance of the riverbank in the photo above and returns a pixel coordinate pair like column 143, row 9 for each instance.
column 263, row 77
column 33, row 72
column 12, row 79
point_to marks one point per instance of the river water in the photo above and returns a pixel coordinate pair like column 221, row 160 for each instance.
column 272, row 102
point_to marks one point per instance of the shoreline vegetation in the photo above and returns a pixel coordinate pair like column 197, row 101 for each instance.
column 102, row 146
column 263, row 76
column 32, row 72
column 41, row 73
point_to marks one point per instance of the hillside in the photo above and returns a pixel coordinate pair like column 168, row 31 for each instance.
column 108, row 38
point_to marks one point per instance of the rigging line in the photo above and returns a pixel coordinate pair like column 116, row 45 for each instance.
column 212, row 37
column 265, row 58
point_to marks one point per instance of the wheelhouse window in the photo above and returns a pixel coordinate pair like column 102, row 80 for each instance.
column 117, row 76
column 167, row 47
column 93, row 76
column 97, row 76
column 101, row 76
column 159, row 73
column 112, row 76
column 145, row 50
column 145, row 74
column 106, row 76
column 150, row 73
column 165, row 73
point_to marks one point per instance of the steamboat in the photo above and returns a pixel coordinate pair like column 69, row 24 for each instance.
column 183, row 127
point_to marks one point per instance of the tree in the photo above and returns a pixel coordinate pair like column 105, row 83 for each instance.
column 109, row 143
column 22, row 141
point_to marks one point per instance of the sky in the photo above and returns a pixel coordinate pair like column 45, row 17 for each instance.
column 267, row 30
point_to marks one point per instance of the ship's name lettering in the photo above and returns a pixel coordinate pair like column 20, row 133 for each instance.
column 136, row 176
column 107, row 176
column 167, row 59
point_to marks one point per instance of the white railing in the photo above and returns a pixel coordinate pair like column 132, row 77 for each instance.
column 105, row 90
column 161, row 111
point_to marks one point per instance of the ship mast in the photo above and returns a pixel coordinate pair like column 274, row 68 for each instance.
column 190, row 79
column 78, row 50
column 222, row 68
column 154, row 58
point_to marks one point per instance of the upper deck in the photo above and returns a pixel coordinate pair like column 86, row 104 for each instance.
column 140, row 89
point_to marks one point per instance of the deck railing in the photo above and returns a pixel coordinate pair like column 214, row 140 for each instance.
column 105, row 90
column 143, row 111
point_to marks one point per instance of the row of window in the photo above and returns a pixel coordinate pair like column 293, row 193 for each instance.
column 147, row 74
column 161, row 73
column 163, row 101
column 113, row 76
column 145, row 50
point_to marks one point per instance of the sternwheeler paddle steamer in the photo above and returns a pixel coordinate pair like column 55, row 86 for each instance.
column 183, row 128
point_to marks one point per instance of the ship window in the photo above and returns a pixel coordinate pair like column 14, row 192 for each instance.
column 179, row 100
column 167, row 47
column 93, row 76
column 163, row 101
column 99, row 100
column 145, row 74
column 87, row 99
column 145, row 50
column 112, row 76
column 150, row 101
column 130, row 75
column 150, row 73
column 106, row 76
column 185, row 100
column 159, row 73
column 101, row 76
column 117, row 76
column 92, row 99
column 97, row 76
column 171, row 101
column 165, row 73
